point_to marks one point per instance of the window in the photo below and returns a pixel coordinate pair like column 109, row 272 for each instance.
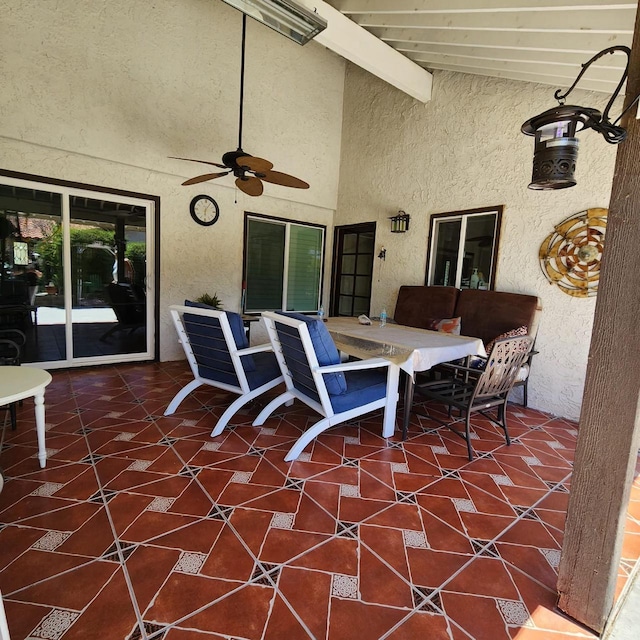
column 463, row 248
column 283, row 265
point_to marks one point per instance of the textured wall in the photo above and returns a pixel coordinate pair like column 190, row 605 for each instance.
column 103, row 92
column 464, row 150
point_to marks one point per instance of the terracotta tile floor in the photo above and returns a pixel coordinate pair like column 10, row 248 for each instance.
column 143, row 526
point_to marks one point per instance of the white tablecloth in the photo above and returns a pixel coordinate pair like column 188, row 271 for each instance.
column 410, row 348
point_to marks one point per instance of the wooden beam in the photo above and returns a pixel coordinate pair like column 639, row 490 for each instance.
column 351, row 7
column 609, row 433
column 613, row 21
column 347, row 39
column 555, row 68
column 553, row 80
column 512, row 54
column 586, row 41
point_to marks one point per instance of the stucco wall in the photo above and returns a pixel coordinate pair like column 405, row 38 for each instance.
column 464, row 150
column 104, row 92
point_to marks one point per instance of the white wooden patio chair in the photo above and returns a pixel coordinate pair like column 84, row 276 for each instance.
column 217, row 349
column 313, row 374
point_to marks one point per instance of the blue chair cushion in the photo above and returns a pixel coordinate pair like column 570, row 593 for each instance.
column 325, row 349
column 266, row 369
column 363, row 387
column 214, row 339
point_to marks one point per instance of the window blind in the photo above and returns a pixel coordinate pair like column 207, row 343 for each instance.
column 270, row 245
column 265, row 265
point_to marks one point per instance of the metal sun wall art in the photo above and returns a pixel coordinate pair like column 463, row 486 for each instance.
column 570, row 256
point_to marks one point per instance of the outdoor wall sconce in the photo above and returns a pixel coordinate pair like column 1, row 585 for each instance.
column 556, row 147
column 400, row 222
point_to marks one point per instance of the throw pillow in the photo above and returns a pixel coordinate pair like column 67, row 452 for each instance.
column 514, row 333
column 447, row 325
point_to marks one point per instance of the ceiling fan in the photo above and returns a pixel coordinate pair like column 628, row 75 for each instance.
column 250, row 172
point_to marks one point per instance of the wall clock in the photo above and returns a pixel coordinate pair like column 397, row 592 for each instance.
column 204, row 210
column 570, row 256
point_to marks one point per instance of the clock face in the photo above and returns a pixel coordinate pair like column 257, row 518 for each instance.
column 204, row 210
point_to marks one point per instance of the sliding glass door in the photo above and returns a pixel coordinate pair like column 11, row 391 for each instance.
column 76, row 275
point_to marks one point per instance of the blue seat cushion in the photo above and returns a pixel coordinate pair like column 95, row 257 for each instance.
column 363, row 387
column 325, row 349
column 207, row 339
column 266, row 369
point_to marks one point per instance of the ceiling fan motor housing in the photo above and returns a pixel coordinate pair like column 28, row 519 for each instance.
column 230, row 159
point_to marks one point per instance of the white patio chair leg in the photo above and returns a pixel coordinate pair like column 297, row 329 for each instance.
column 389, row 417
column 181, row 395
column 234, row 407
column 309, row 435
column 287, row 397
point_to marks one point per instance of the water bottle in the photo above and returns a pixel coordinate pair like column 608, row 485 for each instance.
column 321, row 313
column 383, row 317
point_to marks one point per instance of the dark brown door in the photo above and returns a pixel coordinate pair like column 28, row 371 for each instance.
column 353, row 250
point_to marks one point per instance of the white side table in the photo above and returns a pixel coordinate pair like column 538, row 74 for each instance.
column 18, row 383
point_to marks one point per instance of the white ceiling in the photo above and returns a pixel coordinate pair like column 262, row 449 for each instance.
column 541, row 41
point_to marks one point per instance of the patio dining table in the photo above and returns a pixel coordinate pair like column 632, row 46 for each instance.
column 408, row 348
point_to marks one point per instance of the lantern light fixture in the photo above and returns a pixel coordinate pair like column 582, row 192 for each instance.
column 400, row 222
column 556, row 144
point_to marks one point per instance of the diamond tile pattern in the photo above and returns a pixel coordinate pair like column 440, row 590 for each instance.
column 186, row 536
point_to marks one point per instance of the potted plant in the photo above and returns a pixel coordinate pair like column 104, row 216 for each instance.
column 212, row 301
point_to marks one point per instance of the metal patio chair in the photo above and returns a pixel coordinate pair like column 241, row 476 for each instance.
column 473, row 390
column 11, row 343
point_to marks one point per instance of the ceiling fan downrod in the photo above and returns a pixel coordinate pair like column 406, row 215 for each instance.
column 244, row 39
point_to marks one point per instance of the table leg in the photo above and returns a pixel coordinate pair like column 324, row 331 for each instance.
column 389, row 418
column 408, row 403
column 42, row 452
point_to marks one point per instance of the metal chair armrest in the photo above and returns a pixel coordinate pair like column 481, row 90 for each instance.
column 6, row 355
column 15, row 335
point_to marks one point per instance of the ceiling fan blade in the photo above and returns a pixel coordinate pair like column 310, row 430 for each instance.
column 213, row 164
column 250, row 185
column 260, row 165
column 205, row 177
column 277, row 177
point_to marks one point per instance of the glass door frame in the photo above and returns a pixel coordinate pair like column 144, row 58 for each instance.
column 151, row 203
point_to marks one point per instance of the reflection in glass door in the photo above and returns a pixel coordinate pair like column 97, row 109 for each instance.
column 108, row 278
column 75, row 275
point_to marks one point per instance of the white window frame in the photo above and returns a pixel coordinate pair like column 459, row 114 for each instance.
column 463, row 217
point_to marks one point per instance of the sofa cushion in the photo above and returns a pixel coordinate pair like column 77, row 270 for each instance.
column 487, row 314
column 417, row 306
column 326, row 351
